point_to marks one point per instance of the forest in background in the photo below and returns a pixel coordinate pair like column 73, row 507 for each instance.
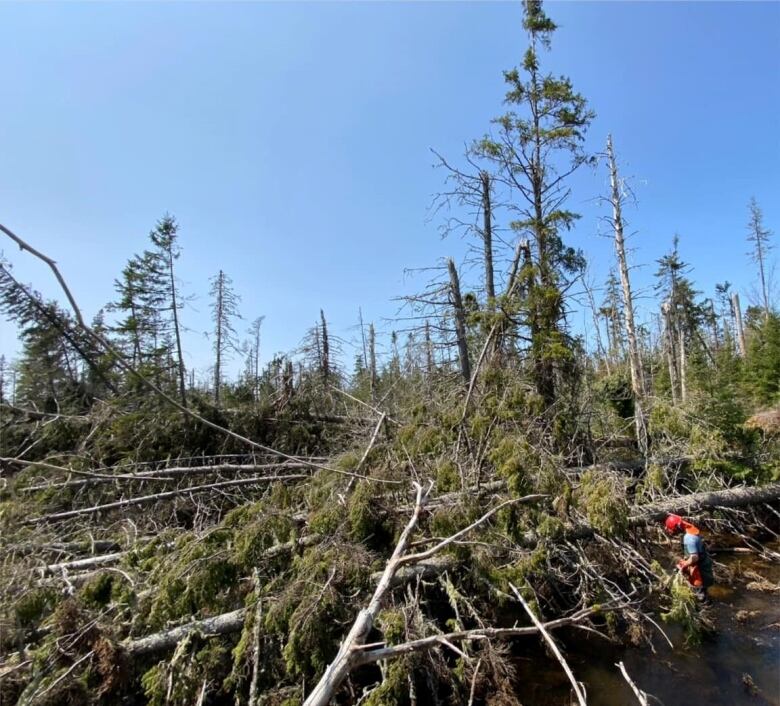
column 317, row 529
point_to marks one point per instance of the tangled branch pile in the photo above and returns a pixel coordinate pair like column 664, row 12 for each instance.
column 397, row 535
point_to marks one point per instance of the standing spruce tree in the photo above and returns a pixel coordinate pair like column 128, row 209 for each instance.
column 149, row 301
column 224, row 310
column 133, row 327
column 538, row 145
column 165, row 239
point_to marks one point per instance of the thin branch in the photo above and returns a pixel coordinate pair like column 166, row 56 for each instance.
column 551, row 643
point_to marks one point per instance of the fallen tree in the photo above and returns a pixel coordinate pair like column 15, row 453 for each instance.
column 81, row 564
column 59, row 516
column 345, row 659
column 707, row 500
column 164, row 474
column 168, row 639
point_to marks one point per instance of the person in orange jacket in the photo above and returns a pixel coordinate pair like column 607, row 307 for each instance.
column 696, row 564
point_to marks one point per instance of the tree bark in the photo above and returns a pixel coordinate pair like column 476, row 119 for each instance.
column 460, row 323
column 175, row 310
column 166, row 474
column 429, row 360
column 79, row 564
column 683, row 367
column 487, row 237
column 341, row 666
column 168, row 639
column 634, row 358
column 738, row 323
column 372, row 360
column 671, row 358
column 707, row 500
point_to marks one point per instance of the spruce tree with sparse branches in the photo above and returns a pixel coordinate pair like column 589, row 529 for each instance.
column 224, row 311
column 759, row 235
column 538, row 145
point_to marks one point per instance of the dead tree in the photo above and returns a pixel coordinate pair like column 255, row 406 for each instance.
column 759, row 236
column 145, row 499
column 460, row 322
column 363, row 338
column 472, row 189
column 634, row 358
column 218, row 625
column 429, row 360
column 738, row 324
column 372, row 360
column 254, row 331
column 487, row 238
column 670, row 345
column 348, row 655
column 706, row 500
column 683, row 368
column 602, row 352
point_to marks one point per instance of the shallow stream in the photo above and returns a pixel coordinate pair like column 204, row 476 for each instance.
column 739, row 664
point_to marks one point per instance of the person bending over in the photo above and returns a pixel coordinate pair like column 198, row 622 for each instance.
column 696, row 564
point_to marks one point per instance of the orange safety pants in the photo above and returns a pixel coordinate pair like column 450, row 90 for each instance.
column 693, row 574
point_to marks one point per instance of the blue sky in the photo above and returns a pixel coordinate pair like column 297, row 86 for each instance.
column 292, row 140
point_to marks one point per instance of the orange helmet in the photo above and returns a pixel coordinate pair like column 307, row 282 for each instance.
column 673, row 523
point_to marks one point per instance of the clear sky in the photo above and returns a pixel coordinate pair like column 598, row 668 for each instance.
column 291, row 140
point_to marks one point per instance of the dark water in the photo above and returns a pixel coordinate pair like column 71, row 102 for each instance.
column 712, row 674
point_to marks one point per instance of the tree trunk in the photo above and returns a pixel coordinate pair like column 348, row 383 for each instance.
column 175, row 310
column 372, row 360
column 363, row 338
column 219, row 322
column 634, row 358
column 707, row 500
column 671, row 358
column 460, row 323
column 342, row 664
column 429, row 360
column 218, row 625
column 487, row 236
column 738, row 324
column 683, row 368
column 714, row 327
